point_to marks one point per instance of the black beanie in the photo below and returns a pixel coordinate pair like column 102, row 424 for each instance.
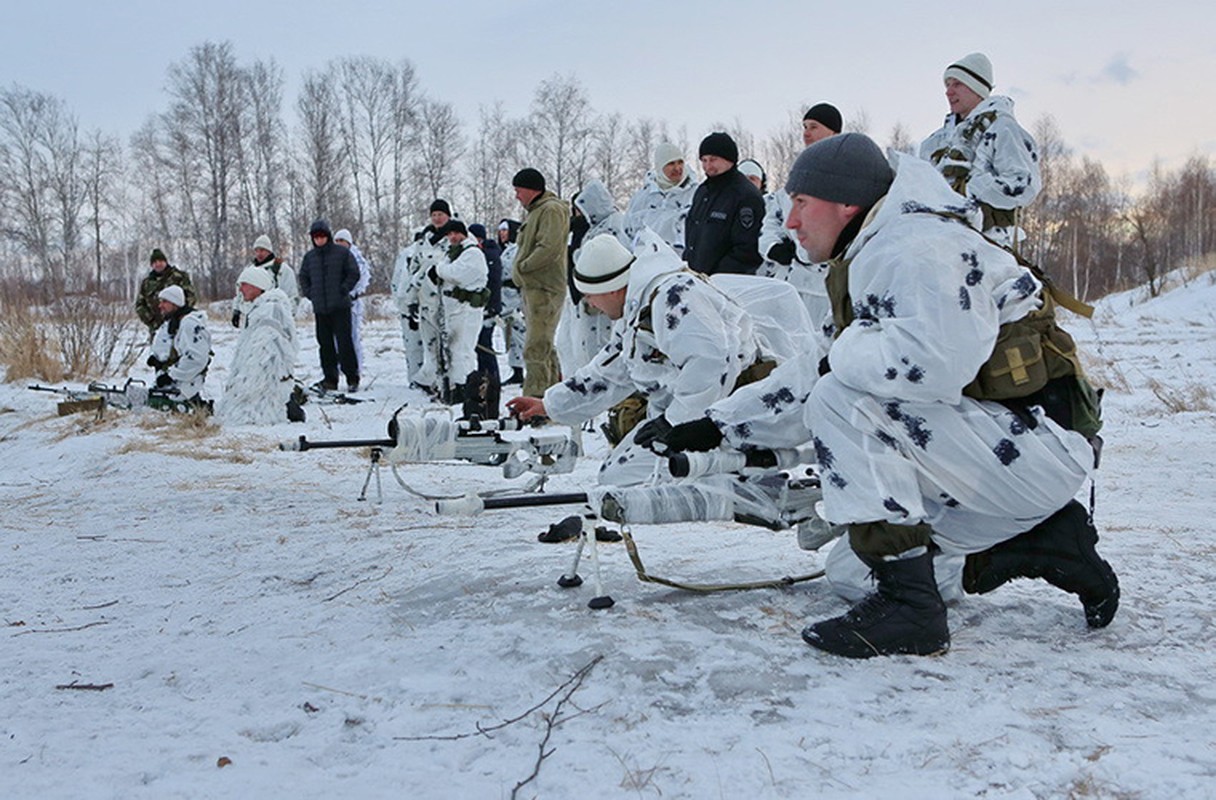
column 826, row 115
column 442, row 205
column 453, row 226
column 720, row 144
column 157, row 255
column 528, row 178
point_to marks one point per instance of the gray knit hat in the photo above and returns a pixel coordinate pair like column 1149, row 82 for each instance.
column 848, row 168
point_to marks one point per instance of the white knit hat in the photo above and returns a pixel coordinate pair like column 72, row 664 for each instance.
column 343, row 235
column 602, row 265
column 666, row 153
column 974, row 71
column 174, row 295
column 263, row 242
column 751, row 168
column 256, row 276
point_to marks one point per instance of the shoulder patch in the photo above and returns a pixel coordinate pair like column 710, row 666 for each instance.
column 747, row 217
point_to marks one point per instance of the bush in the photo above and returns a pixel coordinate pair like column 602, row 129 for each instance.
column 74, row 338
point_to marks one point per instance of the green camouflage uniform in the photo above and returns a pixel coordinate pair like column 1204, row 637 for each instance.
column 147, row 303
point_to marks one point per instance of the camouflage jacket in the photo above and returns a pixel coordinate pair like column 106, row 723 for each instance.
column 147, row 302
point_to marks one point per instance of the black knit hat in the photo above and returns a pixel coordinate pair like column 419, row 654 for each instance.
column 826, row 115
column 453, row 226
column 442, row 205
column 720, row 144
column 157, row 255
column 320, row 226
column 528, row 178
column 848, row 169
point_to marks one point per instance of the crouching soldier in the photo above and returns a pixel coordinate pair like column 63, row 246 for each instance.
column 181, row 348
column 260, row 382
column 924, row 442
column 679, row 341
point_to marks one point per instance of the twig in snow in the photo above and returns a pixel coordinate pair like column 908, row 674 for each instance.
column 357, row 583
column 103, row 605
column 552, row 721
column 91, row 687
column 63, row 630
column 335, row 691
column 576, row 680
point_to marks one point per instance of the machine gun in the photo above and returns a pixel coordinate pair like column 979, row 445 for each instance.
column 132, row 394
column 768, row 488
column 436, row 436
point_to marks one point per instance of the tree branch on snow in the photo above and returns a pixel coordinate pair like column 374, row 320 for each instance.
column 63, row 630
column 571, row 685
column 357, row 583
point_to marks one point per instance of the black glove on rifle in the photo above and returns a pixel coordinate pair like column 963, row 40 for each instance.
column 652, row 434
column 236, row 319
column 154, row 362
column 163, row 381
column 699, row 435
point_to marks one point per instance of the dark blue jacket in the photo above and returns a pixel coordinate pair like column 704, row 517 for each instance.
column 722, row 232
column 327, row 276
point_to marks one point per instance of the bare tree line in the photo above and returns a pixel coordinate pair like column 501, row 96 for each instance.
column 369, row 150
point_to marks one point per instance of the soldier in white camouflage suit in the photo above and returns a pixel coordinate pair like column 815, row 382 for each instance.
column 260, row 380
column 910, row 463
column 982, row 151
column 663, row 201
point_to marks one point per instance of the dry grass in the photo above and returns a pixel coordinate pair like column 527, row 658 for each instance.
column 1106, row 374
column 1187, row 397
column 77, row 337
column 1196, row 268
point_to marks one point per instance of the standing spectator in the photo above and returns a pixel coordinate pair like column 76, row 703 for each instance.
column 460, row 279
column 663, row 201
column 724, row 221
column 982, row 151
column 259, row 386
column 328, row 275
column 584, row 329
column 181, row 347
column 282, row 276
column 540, row 273
column 343, row 238
column 408, row 275
column 487, row 359
column 147, row 304
column 780, row 249
column 512, row 314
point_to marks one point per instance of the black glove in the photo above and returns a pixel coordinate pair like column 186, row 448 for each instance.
column 699, row 435
column 163, row 381
column 154, row 362
column 782, row 252
column 433, row 275
column 236, row 319
column 652, row 434
column 825, row 366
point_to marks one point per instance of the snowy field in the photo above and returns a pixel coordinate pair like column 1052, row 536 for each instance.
column 265, row 634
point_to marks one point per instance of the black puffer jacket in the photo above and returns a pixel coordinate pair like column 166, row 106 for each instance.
column 723, row 227
column 327, row 276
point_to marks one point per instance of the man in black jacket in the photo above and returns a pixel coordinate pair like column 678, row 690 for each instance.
column 723, row 227
column 328, row 274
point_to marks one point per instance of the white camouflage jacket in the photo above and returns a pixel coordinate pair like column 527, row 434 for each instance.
column 681, row 342
column 260, row 375
column 928, row 296
column 662, row 210
column 192, row 346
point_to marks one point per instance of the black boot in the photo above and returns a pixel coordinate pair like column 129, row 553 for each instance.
column 1060, row 550
column 906, row 615
column 517, row 377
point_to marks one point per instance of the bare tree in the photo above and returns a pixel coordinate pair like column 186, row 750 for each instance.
column 559, row 133
column 440, row 146
column 102, row 168
column 321, row 185
column 901, row 140
column 494, row 156
column 41, row 182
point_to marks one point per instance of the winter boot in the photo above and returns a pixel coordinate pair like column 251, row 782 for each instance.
column 517, row 377
column 1060, row 550
column 906, row 615
column 569, row 528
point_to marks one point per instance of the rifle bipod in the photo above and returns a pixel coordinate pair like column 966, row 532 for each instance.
column 373, row 466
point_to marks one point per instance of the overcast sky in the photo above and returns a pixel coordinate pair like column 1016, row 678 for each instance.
column 1128, row 83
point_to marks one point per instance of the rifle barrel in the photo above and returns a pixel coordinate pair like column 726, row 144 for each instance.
column 302, row 444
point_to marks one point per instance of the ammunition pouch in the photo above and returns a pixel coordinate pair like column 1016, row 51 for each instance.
column 1034, row 362
column 624, row 417
column 476, row 298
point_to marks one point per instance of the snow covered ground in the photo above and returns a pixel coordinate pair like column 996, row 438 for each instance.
column 268, row 635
